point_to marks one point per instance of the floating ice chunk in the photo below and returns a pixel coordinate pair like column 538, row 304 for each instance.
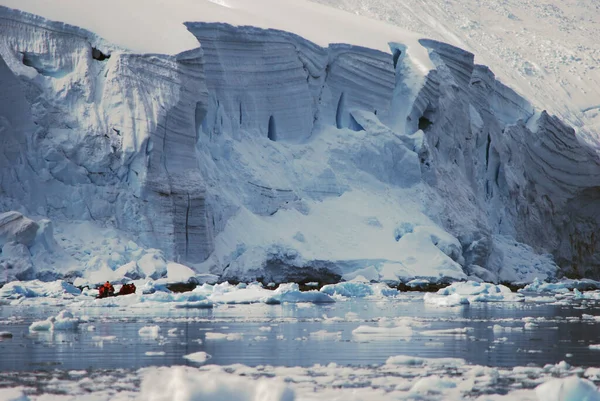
column 401, row 332
column 432, row 384
column 348, row 289
column 480, row 292
column 433, row 344
column 197, row 357
column 595, row 346
column 104, row 338
column 539, row 286
column 450, row 300
column 155, row 353
column 172, row 332
column 149, row 331
column 228, row 294
column 448, row 332
column 63, row 321
column 186, row 384
column 433, row 362
column 223, row 336
column 290, row 292
column 499, row 329
column 568, row 389
column 326, row 335
column 5, row 334
column 265, row 328
column 43, row 325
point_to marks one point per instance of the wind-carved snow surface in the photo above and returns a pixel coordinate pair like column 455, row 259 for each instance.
column 262, row 155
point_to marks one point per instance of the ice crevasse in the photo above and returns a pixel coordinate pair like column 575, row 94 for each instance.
column 263, row 155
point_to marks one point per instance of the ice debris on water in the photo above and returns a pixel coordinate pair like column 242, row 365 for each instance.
column 63, row 321
column 471, row 291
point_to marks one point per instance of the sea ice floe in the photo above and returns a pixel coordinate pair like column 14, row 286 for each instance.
column 373, row 332
column 149, row 331
column 63, row 321
column 326, row 335
column 448, row 332
column 198, row 357
column 223, row 336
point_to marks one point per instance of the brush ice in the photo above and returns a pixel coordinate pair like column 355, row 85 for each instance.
column 186, row 384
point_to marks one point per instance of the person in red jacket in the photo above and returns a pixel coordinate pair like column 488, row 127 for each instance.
column 127, row 289
column 106, row 290
column 110, row 290
column 101, row 291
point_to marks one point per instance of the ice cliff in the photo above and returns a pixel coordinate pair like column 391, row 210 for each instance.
column 262, row 155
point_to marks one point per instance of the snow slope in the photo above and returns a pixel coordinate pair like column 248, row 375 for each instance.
column 263, row 154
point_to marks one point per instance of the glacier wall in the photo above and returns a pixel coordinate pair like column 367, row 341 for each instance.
column 215, row 154
column 111, row 135
column 521, row 173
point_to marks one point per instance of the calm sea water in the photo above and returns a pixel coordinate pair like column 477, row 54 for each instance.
column 284, row 335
